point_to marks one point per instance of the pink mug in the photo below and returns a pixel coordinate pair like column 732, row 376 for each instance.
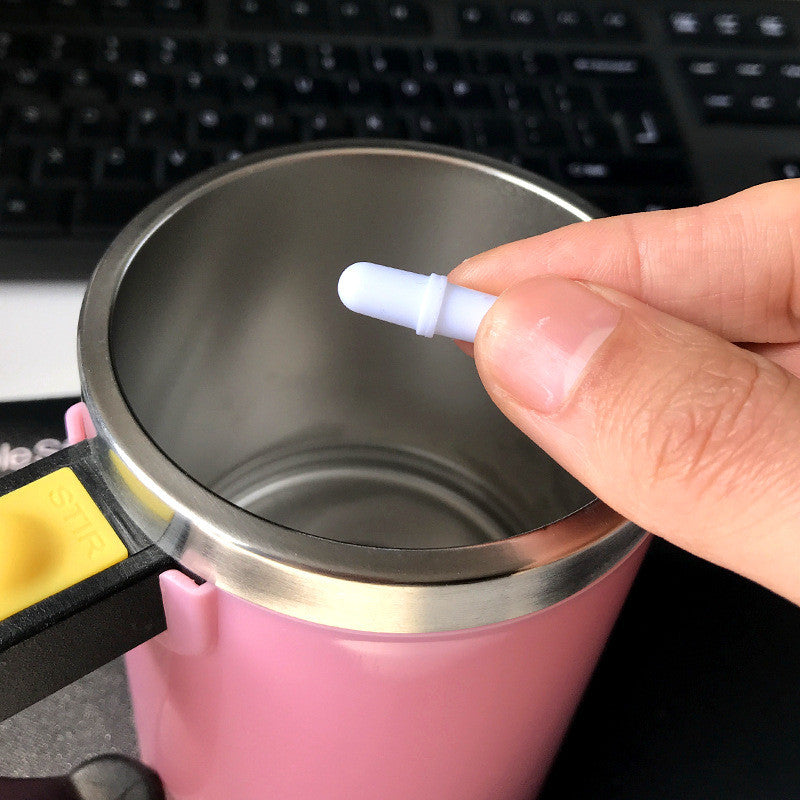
column 380, row 587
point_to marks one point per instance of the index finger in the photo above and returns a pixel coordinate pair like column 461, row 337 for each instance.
column 730, row 266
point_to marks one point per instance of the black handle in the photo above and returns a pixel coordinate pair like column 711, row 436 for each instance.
column 109, row 777
column 67, row 635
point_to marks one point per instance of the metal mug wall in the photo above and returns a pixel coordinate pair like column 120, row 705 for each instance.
column 213, row 348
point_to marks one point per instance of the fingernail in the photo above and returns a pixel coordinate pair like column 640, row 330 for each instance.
column 539, row 337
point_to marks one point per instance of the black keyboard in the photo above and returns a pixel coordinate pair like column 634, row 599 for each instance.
column 104, row 104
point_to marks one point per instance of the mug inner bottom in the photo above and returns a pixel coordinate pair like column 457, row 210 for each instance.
column 382, row 497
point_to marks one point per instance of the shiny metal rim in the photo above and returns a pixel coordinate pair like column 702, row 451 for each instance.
column 354, row 586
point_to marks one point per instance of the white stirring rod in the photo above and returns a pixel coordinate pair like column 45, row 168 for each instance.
column 427, row 303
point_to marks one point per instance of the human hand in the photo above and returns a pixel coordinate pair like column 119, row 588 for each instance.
column 611, row 347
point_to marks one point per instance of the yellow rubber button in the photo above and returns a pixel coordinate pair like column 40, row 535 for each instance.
column 52, row 536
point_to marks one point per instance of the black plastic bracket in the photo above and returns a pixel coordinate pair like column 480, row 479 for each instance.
column 69, row 634
column 107, row 777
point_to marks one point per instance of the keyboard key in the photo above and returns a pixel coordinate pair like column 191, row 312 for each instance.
column 253, row 13
column 608, row 65
column 81, row 86
column 138, row 84
column 151, row 124
column 593, row 132
column 119, row 163
column 27, row 78
column 628, row 171
column 18, row 46
column 645, row 129
column 389, row 60
column 379, row 124
column 531, row 63
column 66, row 52
column 772, row 29
column 727, row 26
column 764, row 107
column 686, row 25
column 74, row 12
column 520, row 96
column 406, row 17
column 114, row 51
column 490, row 62
column 572, row 22
column 354, row 15
column 656, row 198
column 208, row 126
column 179, row 163
column 248, row 89
column 358, row 92
column 538, row 130
column 197, row 88
column 279, row 56
column 751, row 69
column 306, row 90
column 617, row 23
column 328, row 58
column 96, row 122
column 438, row 128
column 271, row 128
column 476, row 19
column 36, row 117
column 525, row 20
column 588, row 171
column 720, row 106
column 121, row 12
column 106, row 210
column 177, row 12
column 463, row 93
column 495, row 133
column 305, row 14
column 222, row 55
column 58, row 162
column 168, row 51
column 326, row 125
column 411, row 93
column 786, row 168
column 25, row 210
column 228, row 152
column 789, row 72
column 571, row 99
column 702, row 67
column 438, row 61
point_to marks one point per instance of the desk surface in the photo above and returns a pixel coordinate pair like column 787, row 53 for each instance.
column 696, row 696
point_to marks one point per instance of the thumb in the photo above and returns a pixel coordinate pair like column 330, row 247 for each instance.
column 682, row 432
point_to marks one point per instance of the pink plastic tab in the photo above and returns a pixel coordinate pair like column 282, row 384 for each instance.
column 191, row 613
column 79, row 424
column 190, row 610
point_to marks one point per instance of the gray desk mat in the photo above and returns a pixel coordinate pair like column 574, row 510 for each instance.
column 84, row 719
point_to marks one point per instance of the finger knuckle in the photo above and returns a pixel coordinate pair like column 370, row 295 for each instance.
column 696, row 431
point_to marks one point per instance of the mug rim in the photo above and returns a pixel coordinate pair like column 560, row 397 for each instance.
column 290, row 571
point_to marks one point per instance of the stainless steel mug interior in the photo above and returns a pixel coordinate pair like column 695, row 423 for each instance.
column 303, row 448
